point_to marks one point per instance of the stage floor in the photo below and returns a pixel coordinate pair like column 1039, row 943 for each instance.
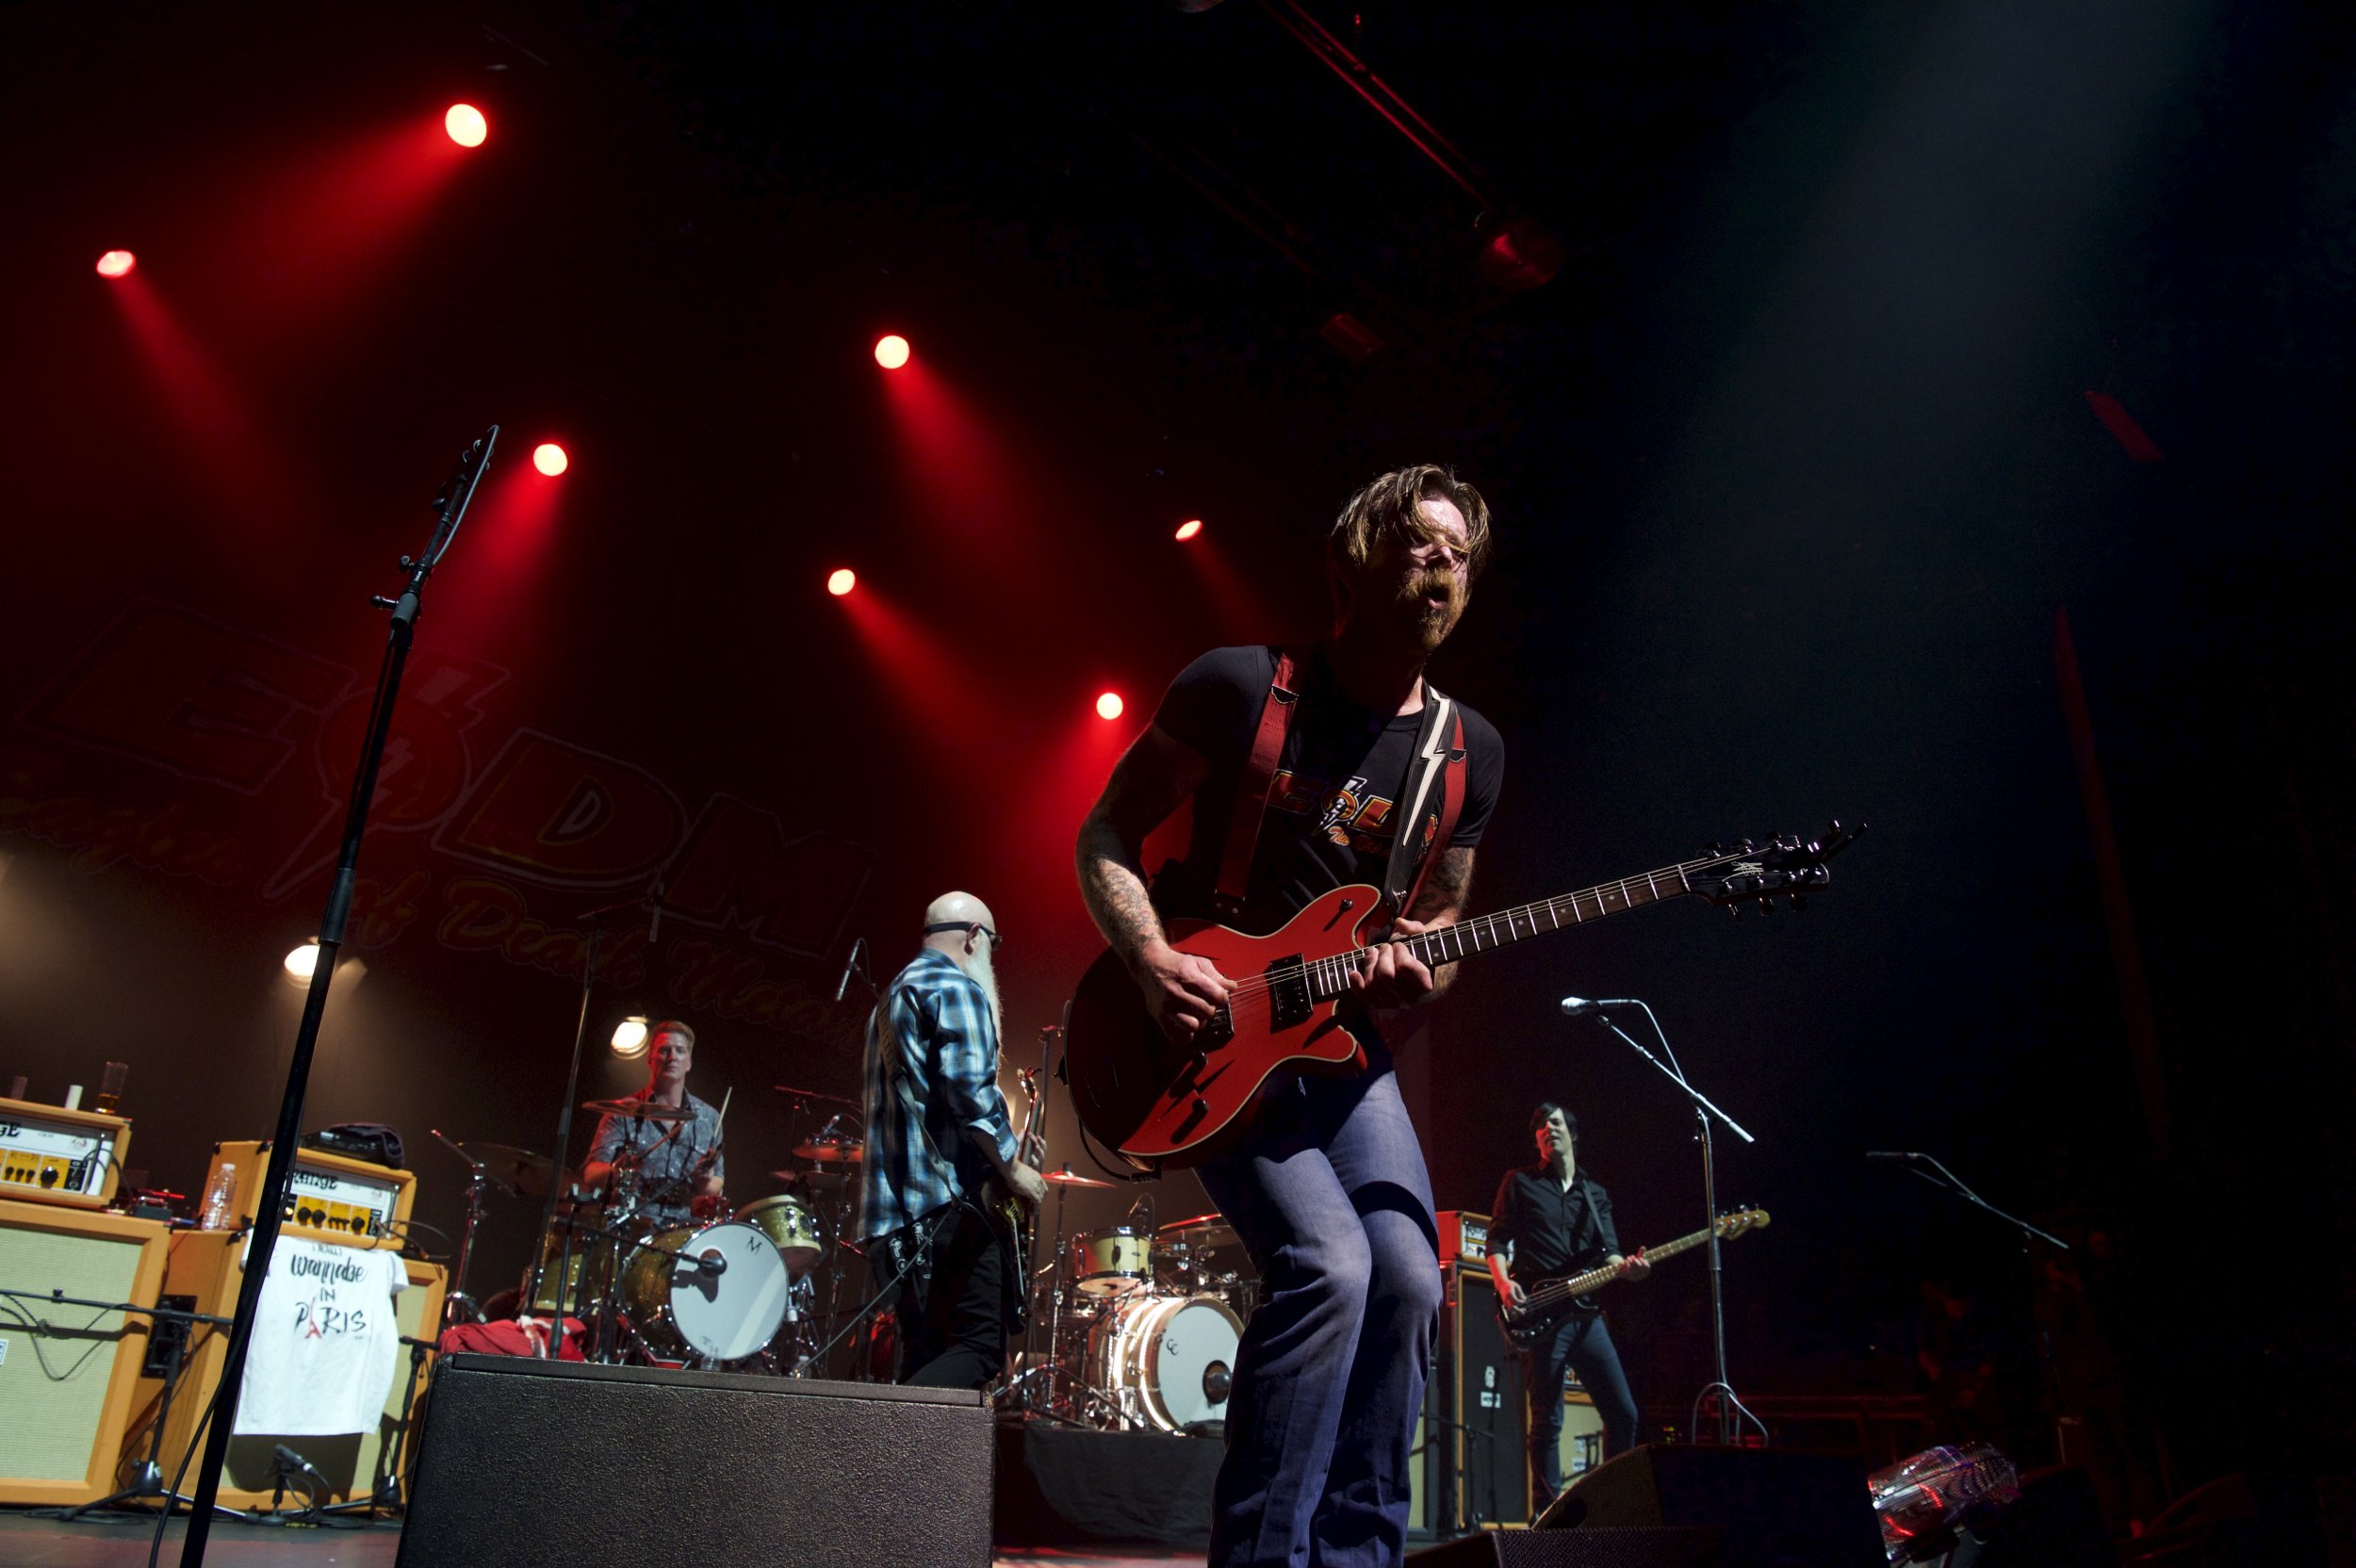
column 34, row 1542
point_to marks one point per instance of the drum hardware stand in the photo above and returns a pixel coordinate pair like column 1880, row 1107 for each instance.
column 147, row 1480
column 595, row 921
column 451, row 509
column 459, row 1307
column 1731, row 1411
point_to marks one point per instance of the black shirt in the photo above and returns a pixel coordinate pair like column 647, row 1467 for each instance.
column 1331, row 809
column 1552, row 1231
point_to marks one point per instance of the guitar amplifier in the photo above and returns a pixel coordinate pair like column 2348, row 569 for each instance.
column 207, row 1270
column 67, row 1373
column 49, row 1155
column 1474, row 1467
column 329, row 1197
column 1463, row 1237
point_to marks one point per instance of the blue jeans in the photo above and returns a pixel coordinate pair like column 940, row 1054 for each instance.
column 1582, row 1346
column 1329, row 1194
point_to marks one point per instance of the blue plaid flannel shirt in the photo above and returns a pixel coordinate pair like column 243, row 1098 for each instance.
column 943, row 1022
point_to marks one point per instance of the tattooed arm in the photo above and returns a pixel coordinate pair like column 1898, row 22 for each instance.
column 1150, row 782
column 1389, row 975
column 1441, row 902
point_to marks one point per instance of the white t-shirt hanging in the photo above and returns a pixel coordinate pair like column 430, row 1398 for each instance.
column 326, row 1341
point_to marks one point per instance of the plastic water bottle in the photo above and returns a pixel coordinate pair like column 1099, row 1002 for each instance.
column 217, row 1197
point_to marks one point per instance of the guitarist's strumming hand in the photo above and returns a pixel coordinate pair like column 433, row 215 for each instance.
column 1387, row 976
column 1183, row 991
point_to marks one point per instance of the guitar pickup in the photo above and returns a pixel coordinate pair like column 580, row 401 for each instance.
column 1288, row 993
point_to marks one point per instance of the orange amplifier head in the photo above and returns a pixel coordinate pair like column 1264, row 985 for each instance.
column 329, row 1197
column 1463, row 1237
column 49, row 1155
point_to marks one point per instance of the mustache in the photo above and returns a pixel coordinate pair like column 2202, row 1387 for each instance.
column 1440, row 584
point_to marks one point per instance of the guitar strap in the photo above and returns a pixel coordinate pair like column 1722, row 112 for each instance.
column 1255, row 784
column 1431, row 818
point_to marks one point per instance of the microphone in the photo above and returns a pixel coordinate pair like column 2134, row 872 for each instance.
column 291, row 1461
column 1891, row 1154
column 712, row 1262
column 850, row 966
column 1578, row 1006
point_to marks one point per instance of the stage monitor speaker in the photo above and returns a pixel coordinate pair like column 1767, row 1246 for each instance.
column 1778, row 1509
column 539, row 1464
column 67, row 1373
column 1637, row 1547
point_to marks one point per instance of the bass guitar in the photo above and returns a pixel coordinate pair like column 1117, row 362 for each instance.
column 1550, row 1302
column 1157, row 1103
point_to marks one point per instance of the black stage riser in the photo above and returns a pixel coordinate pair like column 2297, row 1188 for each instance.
column 1638, row 1547
column 526, row 1465
column 1778, row 1509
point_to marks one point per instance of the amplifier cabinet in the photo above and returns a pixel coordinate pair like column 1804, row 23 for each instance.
column 1474, row 1467
column 206, row 1269
column 68, row 1373
column 329, row 1197
column 49, row 1155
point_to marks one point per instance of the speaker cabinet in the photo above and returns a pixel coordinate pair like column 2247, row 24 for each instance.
column 68, row 1373
column 1774, row 1507
column 205, row 1272
column 1472, row 1468
column 538, row 1464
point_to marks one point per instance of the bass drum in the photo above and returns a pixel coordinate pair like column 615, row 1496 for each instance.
column 1168, row 1361
column 680, row 1308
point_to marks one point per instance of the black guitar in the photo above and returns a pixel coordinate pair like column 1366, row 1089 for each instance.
column 1549, row 1301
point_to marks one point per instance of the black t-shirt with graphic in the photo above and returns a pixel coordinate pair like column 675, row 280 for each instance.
column 1332, row 811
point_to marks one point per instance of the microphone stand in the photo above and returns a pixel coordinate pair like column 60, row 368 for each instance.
column 1729, row 1403
column 451, row 507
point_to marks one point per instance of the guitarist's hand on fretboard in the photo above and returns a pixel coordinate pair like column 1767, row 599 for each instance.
column 1635, row 1266
column 1388, row 975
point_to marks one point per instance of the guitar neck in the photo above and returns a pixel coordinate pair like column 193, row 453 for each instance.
column 1595, row 1279
column 1451, row 942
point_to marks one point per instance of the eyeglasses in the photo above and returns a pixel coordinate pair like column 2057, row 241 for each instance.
column 996, row 941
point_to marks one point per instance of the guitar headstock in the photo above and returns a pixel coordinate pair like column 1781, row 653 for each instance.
column 1787, row 867
column 1729, row 1226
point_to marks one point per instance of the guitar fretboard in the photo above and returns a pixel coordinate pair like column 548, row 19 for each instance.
column 1553, row 1291
column 1328, row 977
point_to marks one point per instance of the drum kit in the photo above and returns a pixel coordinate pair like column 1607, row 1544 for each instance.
column 743, row 1289
column 1143, row 1324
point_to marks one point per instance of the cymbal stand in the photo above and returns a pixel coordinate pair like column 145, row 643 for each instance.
column 459, row 1307
column 1020, row 1397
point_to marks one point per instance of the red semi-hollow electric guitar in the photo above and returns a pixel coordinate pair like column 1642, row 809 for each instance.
column 1159, row 1105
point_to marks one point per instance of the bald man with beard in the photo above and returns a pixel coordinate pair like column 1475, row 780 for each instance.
column 937, row 1132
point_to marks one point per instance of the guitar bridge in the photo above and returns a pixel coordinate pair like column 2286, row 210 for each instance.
column 1288, row 994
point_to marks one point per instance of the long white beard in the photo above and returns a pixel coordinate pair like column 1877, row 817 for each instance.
column 985, row 974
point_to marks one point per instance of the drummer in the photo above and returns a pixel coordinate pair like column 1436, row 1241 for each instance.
column 680, row 1164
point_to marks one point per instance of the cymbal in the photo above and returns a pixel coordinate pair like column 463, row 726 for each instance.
column 831, row 1148
column 1068, row 1177
column 641, row 1110
column 1204, row 1230
column 518, row 1168
column 821, row 1179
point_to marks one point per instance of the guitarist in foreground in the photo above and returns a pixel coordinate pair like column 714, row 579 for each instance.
column 937, row 1132
column 1308, row 770
column 1552, row 1220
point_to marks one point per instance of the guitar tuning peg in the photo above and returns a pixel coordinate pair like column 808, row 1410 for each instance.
column 1735, row 910
column 1799, row 901
column 1712, row 849
column 1767, row 905
column 1748, row 846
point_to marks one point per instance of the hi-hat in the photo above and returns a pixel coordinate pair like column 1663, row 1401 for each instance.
column 1204, row 1230
column 639, row 1110
column 1068, row 1177
column 517, row 1170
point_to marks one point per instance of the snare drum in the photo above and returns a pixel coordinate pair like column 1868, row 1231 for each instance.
column 1113, row 1261
column 787, row 1220
column 1168, row 1361
column 677, row 1307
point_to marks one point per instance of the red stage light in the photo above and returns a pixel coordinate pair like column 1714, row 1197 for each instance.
column 117, row 264
column 1189, row 529
column 841, row 580
column 1109, row 706
column 549, row 459
column 892, row 351
column 465, row 125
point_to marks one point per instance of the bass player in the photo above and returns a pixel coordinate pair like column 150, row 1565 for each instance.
column 1553, row 1219
column 1309, row 770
